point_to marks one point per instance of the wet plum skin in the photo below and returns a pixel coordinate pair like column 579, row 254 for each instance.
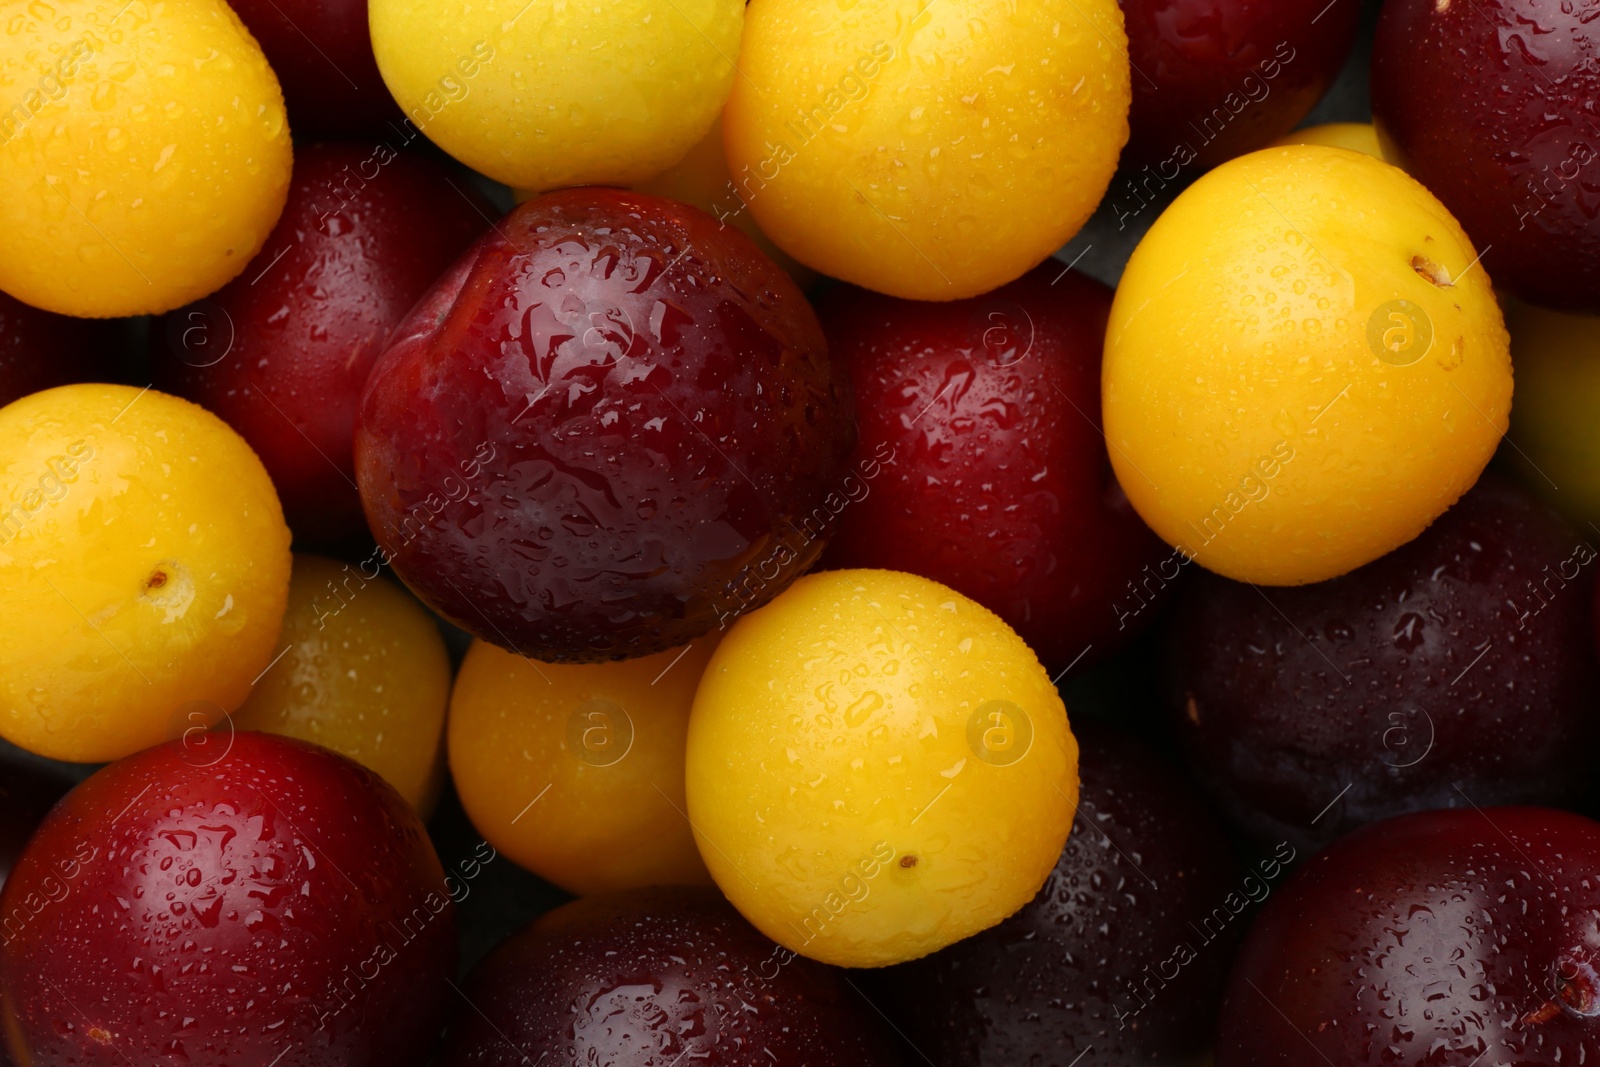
column 1213, row 79
column 271, row 902
column 1123, row 951
column 1433, row 937
column 989, row 471
column 1494, row 105
column 609, row 429
column 653, row 976
column 1460, row 665
column 282, row 353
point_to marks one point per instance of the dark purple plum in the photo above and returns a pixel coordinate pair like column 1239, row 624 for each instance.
column 657, row 978
column 1494, row 105
column 1461, row 665
column 1120, row 958
column 321, row 51
column 1213, row 79
column 1436, row 939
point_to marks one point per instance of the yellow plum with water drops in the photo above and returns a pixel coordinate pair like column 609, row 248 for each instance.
column 145, row 563
column 542, row 95
column 933, row 151
column 878, row 767
column 1305, row 366
column 361, row 669
column 144, row 153
column 575, row 770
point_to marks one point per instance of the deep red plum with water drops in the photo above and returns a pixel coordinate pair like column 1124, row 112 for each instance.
column 252, row 901
column 283, row 352
column 609, row 429
column 981, row 463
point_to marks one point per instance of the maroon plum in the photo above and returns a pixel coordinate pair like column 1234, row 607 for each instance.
column 1213, row 79
column 1438, row 938
column 1494, row 105
column 981, row 463
column 283, row 351
column 612, row 426
column 40, row 350
column 655, row 978
column 252, row 901
column 1461, row 665
column 321, row 51
column 1120, row 958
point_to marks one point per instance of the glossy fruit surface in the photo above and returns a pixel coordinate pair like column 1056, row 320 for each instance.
column 1493, row 106
column 826, row 733
column 542, row 95
column 146, row 156
column 1557, row 452
column 145, row 565
column 364, row 673
column 321, row 51
column 1121, row 956
column 611, row 427
column 928, row 151
column 39, row 350
column 1427, row 939
column 1305, row 366
column 702, row 178
column 1214, row 79
column 979, row 464
column 575, row 770
column 283, row 352
column 1461, row 665
column 1356, row 136
column 653, row 977
column 258, row 905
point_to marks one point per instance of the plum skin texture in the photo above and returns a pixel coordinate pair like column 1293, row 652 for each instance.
column 995, row 479
column 283, row 352
column 243, row 899
column 610, row 428
column 1436, row 937
column 1147, row 884
column 656, row 977
column 1494, row 105
column 1460, row 665
column 1214, row 79
column 321, row 51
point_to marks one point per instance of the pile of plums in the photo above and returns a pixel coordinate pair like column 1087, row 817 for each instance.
column 1343, row 821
